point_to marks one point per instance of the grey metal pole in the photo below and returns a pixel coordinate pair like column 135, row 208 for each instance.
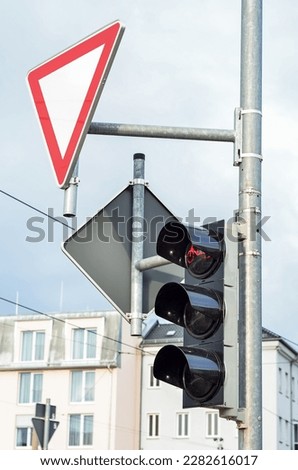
column 162, row 132
column 136, row 302
column 151, row 262
column 250, row 308
column 47, row 424
column 71, row 195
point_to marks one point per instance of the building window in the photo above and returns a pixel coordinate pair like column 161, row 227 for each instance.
column 30, row 387
column 153, row 425
column 212, row 424
column 280, row 380
column 80, row 430
column 32, row 346
column 293, row 389
column 281, row 430
column 287, row 433
column 295, row 436
column 153, row 382
column 287, row 383
column 82, row 386
column 84, row 343
column 24, row 437
column 182, row 425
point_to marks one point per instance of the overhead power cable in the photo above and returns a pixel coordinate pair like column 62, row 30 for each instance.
column 37, row 210
column 53, row 317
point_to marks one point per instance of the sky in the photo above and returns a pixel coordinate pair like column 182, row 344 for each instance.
column 178, row 64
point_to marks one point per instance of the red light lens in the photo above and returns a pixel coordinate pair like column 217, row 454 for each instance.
column 197, row 261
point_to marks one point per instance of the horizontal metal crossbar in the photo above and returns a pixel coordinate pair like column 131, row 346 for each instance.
column 163, row 132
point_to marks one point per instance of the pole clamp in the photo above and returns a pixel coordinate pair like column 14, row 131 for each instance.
column 74, row 180
column 139, row 181
column 238, row 126
column 130, row 316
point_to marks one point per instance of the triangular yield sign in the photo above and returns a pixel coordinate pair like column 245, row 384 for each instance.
column 39, row 425
column 66, row 90
column 53, row 425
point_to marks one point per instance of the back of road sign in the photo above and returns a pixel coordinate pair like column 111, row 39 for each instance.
column 101, row 249
column 66, row 89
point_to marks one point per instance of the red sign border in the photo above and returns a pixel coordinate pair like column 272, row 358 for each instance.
column 109, row 37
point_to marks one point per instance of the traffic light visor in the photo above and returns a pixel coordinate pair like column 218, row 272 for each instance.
column 197, row 371
column 195, row 308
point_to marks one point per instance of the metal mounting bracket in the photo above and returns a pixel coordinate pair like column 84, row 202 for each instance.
column 238, row 137
column 238, row 124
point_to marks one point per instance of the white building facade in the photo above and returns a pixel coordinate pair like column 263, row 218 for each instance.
column 81, row 363
column 101, row 381
column 280, row 393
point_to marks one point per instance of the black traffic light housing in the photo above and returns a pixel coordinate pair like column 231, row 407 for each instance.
column 206, row 307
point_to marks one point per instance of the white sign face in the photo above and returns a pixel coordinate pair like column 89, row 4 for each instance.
column 66, row 90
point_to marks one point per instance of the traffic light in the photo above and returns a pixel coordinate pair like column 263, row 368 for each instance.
column 206, row 306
